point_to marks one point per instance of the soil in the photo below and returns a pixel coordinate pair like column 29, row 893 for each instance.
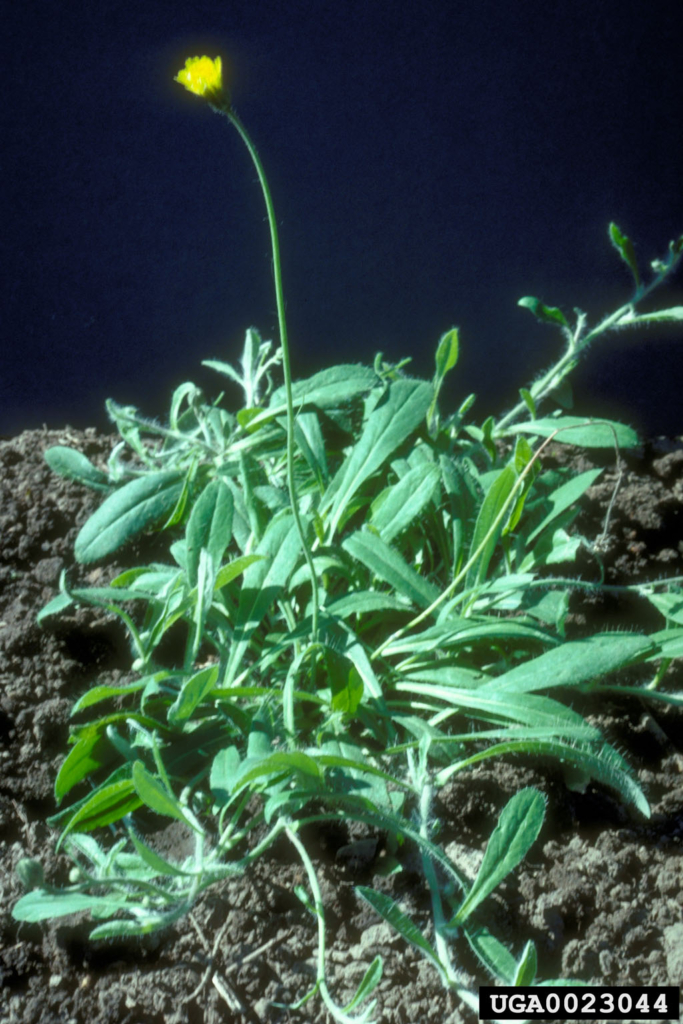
column 600, row 892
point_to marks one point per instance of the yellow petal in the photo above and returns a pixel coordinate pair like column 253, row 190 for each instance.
column 204, row 77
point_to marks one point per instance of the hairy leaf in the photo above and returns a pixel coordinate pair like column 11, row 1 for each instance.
column 137, row 505
column 388, row 425
column 517, row 829
column 75, row 466
column 576, row 430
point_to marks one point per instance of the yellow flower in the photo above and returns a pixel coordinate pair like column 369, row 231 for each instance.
column 204, row 77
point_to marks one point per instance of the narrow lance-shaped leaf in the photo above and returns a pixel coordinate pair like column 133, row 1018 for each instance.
column 598, row 761
column 326, row 389
column 107, row 804
column 91, row 752
column 154, row 860
column 41, row 906
column 487, row 530
column 262, row 584
column 573, row 663
column 495, row 957
column 527, row 966
column 192, row 693
column 624, row 247
column 579, row 431
column 405, row 500
column 517, row 828
column 523, row 457
column 447, row 352
column 389, row 424
column 446, row 358
column 387, row 564
column 563, row 497
column 392, row 913
column 369, row 983
column 209, row 526
column 528, row 400
column 155, row 796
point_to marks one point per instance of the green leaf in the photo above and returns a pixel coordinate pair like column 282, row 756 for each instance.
column 330, row 387
column 397, row 506
column 155, row 861
column 517, row 829
column 192, row 693
column 388, row 565
column 346, row 698
column 360, row 602
column 345, row 683
column 100, row 693
column 224, row 770
column 624, row 247
column 495, row 957
column 523, row 457
column 579, row 431
column 573, row 663
column 127, row 929
column 392, row 913
column 669, row 645
column 447, row 352
column 209, row 527
column 452, row 635
column 54, row 607
column 670, row 605
column 290, row 763
column 109, row 803
column 565, row 497
column 41, row 906
column 486, row 529
column 139, row 504
column 233, row 569
column 527, row 966
column 397, row 415
column 371, row 980
column 357, row 654
column 596, row 760
column 92, row 751
column 487, row 704
column 261, row 730
column 30, row 873
column 355, row 767
column 261, row 586
column 155, row 796
column 309, row 437
column 528, row 400
column 546, row 314
column 75, row 466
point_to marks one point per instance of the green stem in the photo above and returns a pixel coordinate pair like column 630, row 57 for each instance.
column 284, row 343
column 578, row 343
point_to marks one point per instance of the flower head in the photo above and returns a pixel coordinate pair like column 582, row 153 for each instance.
column 204, row 77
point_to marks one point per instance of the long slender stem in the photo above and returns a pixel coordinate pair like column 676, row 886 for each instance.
column 284, row 343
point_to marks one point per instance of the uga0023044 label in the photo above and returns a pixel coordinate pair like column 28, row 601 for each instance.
column 577, row 1002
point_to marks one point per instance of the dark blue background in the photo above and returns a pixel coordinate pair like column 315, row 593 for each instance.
column 430, row 161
